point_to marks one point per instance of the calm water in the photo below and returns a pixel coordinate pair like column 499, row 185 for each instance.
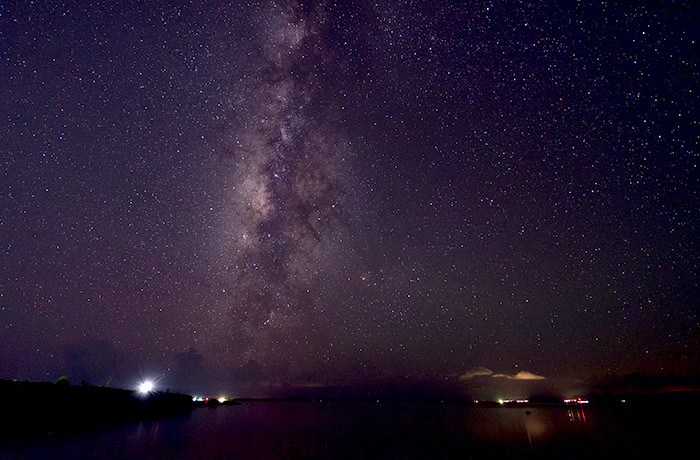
column 267, row 430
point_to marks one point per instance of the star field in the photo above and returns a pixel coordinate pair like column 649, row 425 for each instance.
column 323, row 192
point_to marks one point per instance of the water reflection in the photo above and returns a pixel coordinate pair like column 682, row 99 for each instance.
column 308, row 430
column 577, row 414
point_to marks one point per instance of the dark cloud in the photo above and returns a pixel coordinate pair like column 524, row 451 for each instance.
column 249, row 373
column 96, row 361
column 190, row 375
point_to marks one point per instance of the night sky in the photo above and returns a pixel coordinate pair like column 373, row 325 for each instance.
column 253, row 194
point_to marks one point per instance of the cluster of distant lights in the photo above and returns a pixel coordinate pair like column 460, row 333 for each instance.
column 206, row 400
column 511, row 401
column 576, row 401
column 506, row 401
column 526, row 401
column 147, row 386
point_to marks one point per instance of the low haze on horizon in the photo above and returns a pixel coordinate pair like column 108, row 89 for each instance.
column 249, row 195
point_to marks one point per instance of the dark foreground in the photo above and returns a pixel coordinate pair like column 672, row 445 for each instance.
column 35, row 410
column 304, row 430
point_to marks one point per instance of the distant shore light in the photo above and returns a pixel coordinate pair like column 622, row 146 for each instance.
column 146, row 387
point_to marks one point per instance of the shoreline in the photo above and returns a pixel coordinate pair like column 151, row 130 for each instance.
column 33, row 410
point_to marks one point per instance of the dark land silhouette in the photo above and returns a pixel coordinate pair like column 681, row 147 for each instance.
column 35, row 409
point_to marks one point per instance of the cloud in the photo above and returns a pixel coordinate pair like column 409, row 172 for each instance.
column 479, row 371
column 522, row 375
column 95, row 360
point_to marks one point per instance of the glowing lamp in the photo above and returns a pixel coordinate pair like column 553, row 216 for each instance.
column 146, row 387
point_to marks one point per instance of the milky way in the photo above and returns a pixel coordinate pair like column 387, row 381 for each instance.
column 289, row 173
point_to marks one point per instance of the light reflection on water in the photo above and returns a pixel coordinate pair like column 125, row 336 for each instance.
column 312, row 430
column 577, row 414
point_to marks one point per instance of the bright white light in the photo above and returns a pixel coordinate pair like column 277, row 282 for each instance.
column 222, row 400
column 146, row 387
